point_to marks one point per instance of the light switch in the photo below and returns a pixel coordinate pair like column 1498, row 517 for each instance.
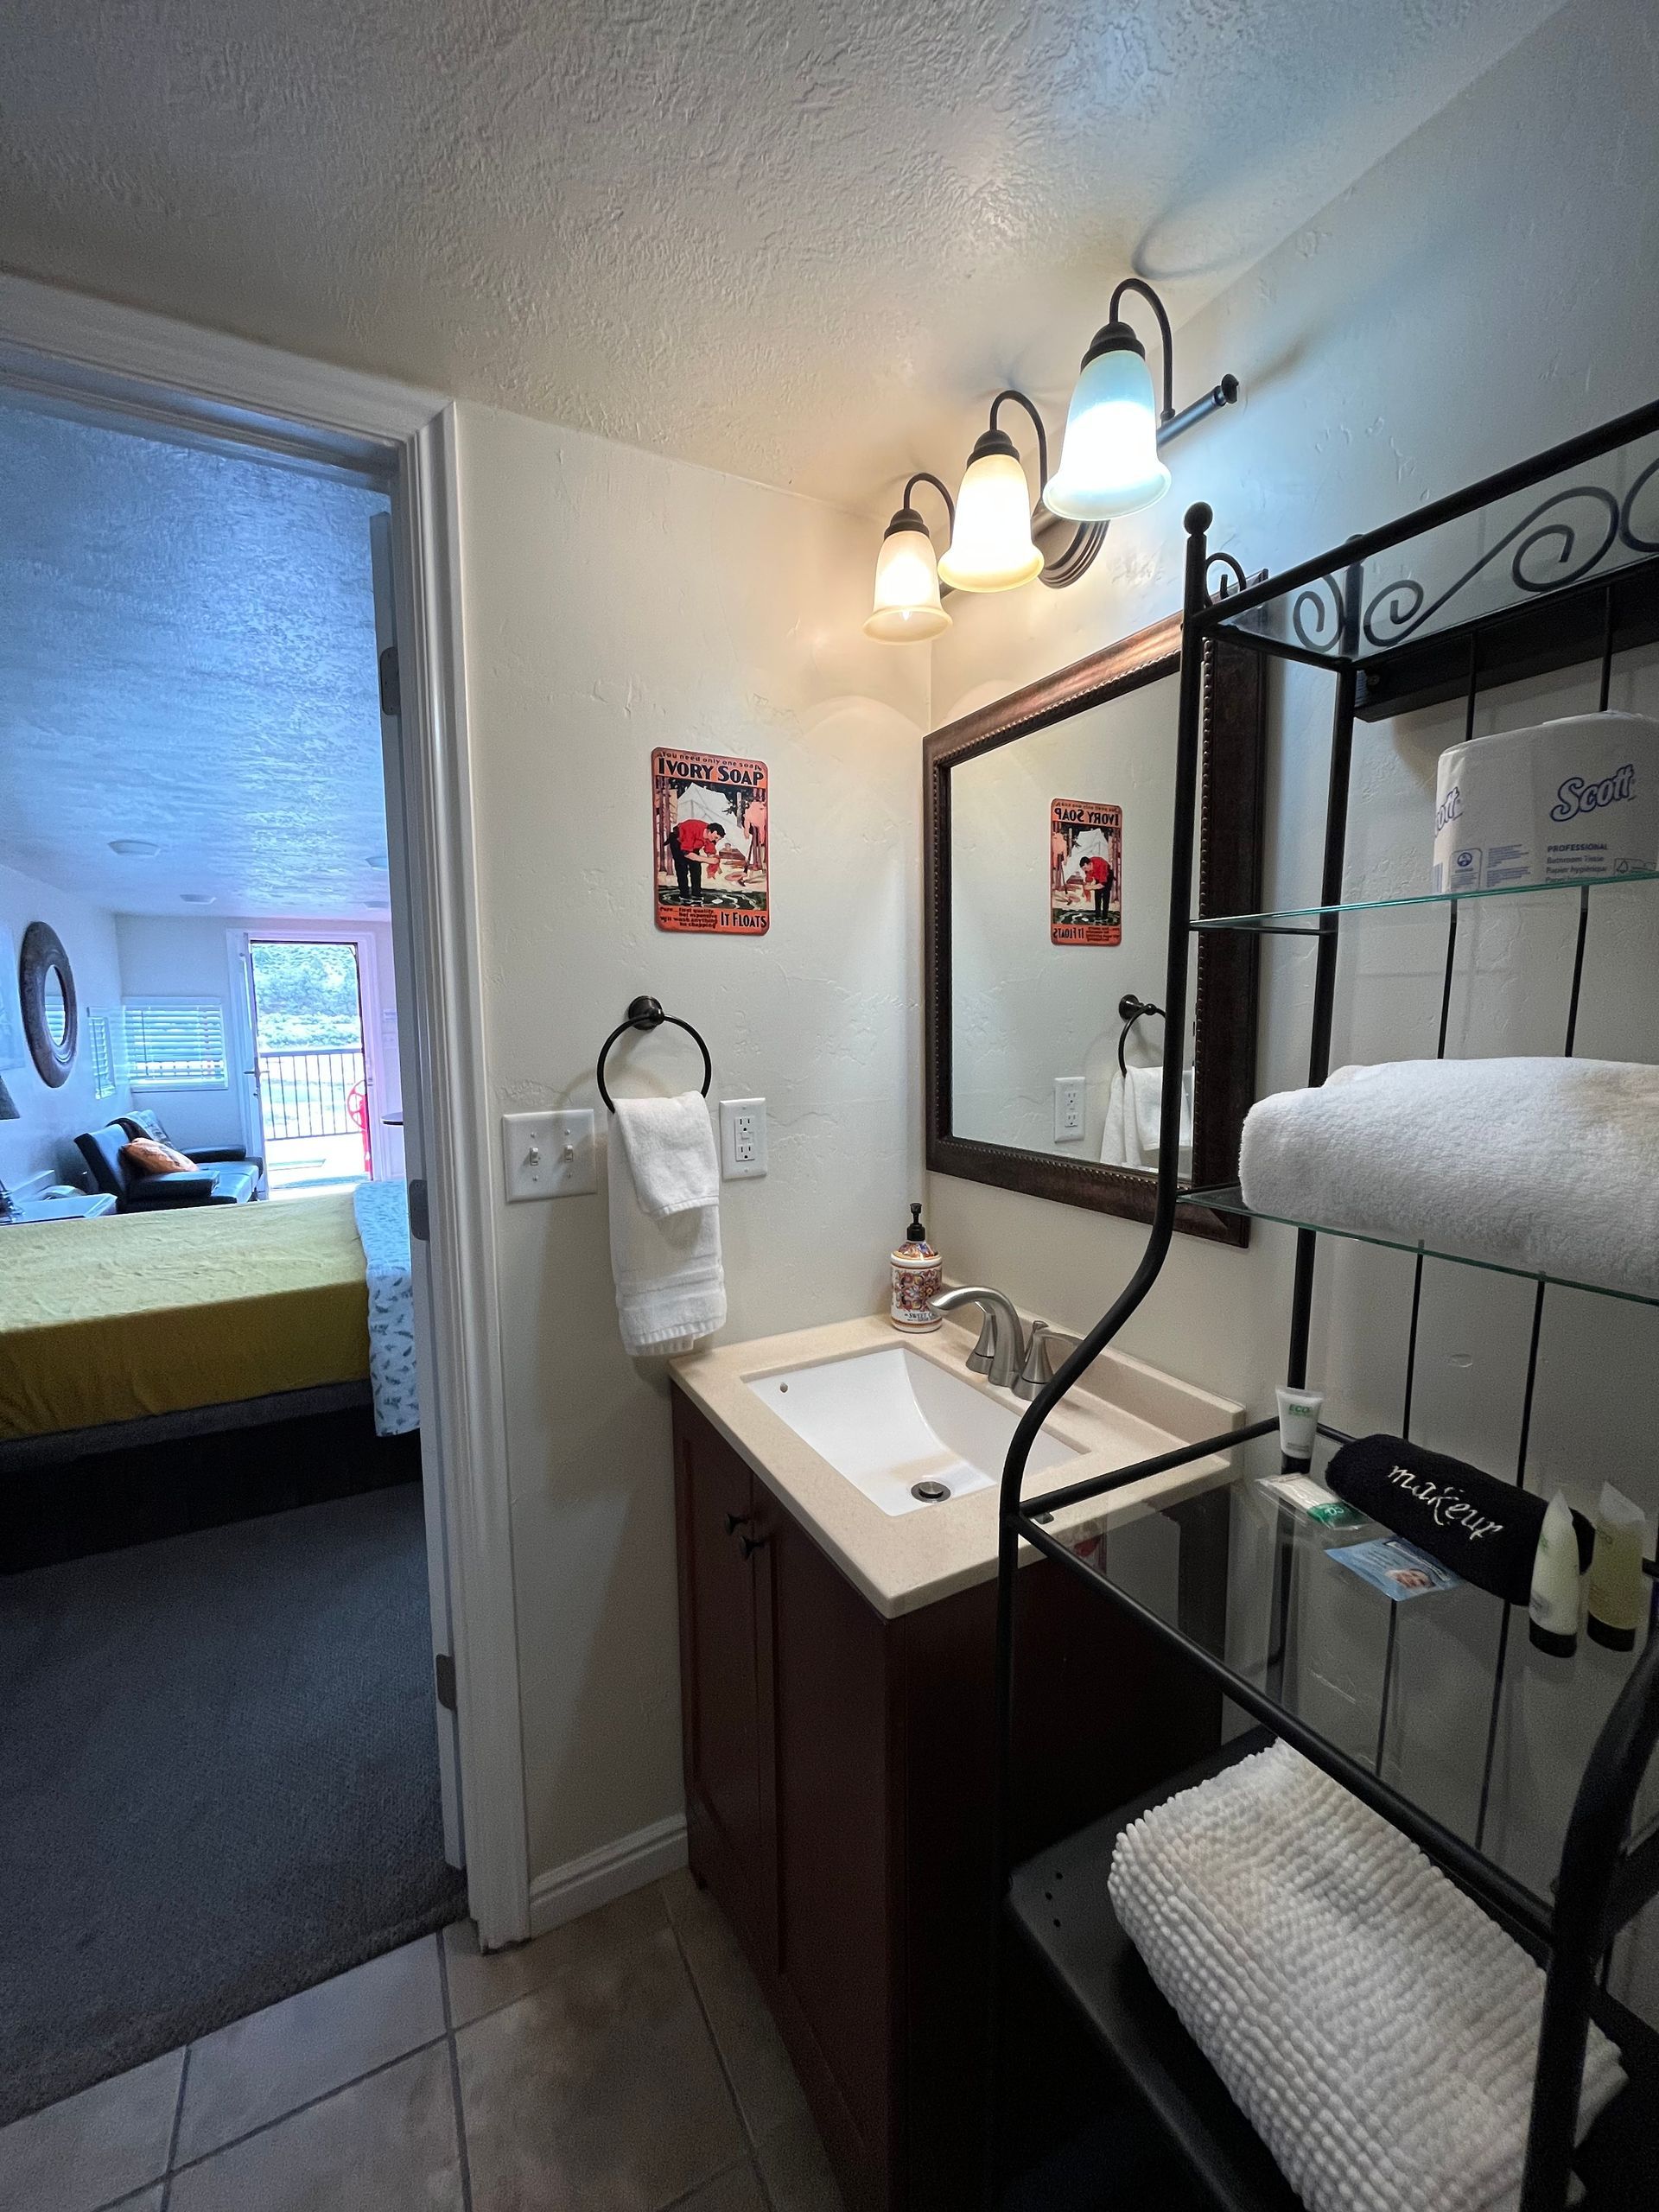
column 743, row 1138
column 1069, row 1091
column 549, row 1155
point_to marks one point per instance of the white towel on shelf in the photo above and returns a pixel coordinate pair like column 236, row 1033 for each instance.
column 1377, row 2029
column 671, row 1148
column 1134, row 1107
column 1551, row 1166
column 671, row 1286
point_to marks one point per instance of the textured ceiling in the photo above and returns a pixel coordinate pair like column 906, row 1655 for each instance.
column 188, row 656
column 802, row 242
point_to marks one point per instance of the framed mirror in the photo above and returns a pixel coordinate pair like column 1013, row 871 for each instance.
column 1048, row 831
column 46, row 992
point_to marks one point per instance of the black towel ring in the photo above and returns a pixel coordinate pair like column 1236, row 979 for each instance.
column 647, row 1014
column 1130, row 1009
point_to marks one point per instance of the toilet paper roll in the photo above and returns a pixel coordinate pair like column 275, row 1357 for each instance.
column 1556, row 802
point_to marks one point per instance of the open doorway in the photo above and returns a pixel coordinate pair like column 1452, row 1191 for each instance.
column 322, row 1087
column 233, row 1763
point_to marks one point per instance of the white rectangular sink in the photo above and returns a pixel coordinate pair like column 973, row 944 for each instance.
column 889, row 1420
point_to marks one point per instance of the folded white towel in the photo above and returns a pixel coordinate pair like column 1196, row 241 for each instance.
column 1377, row 2029
column 670, row 1288
column 1134, row 1106
column 1550, row 1165
column 671, row 1148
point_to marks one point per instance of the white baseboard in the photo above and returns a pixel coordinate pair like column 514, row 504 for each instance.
column 581, row 1885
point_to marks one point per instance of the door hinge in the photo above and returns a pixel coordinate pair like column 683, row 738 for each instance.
column 443, row 1667
column 390, row 691
column 419, row 1224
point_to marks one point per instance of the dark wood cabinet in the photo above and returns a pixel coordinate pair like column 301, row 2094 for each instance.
column 838, row 1772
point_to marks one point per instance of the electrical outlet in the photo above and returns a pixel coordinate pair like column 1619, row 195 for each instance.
column 1069, row 1093
column 743, row 1138
column 549, row 1155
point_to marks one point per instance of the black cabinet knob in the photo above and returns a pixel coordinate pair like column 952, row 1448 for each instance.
column 734, row 1521
column 750, row 1545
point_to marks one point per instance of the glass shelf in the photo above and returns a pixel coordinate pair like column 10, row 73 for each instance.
column 1284, row 919
column 1441, row 1696
column 1227, row 1197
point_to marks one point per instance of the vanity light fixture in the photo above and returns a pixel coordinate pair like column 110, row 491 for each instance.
column 908, row 574
column 1109, row 467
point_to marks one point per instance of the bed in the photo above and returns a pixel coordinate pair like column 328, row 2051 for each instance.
column 211, row 1317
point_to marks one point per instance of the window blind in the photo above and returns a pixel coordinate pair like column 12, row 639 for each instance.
column 101, row 1035
column 174, row 1045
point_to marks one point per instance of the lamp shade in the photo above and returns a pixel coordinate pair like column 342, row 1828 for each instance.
column 906, row 584
column 1109, row 459
column 991, row 549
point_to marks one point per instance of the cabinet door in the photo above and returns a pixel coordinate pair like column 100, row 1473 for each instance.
column 828, row 1737
column 726, row 1836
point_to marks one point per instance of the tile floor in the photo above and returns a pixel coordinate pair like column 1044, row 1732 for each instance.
column 624, row 2063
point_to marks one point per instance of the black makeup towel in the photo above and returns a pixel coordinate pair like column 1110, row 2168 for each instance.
column 1484, row 1530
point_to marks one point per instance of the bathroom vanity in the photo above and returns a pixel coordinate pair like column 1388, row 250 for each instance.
column 837, row 1641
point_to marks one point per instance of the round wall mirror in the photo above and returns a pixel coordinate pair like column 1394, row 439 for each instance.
column 46, row 989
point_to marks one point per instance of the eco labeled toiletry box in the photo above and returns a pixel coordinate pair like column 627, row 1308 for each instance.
column 1554, row 802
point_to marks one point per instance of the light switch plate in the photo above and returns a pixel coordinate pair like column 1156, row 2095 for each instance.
column 549, row 1155
column 1069, row 1093
column 743, row 1138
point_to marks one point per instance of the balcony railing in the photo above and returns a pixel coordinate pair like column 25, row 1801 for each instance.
column 313, row 1095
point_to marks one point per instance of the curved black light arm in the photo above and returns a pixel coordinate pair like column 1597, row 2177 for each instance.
column 1020, row 398
column 926, row 476
column 1135, row 285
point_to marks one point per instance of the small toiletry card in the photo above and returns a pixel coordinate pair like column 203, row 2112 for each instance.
column 1396, row 1569
column 1313, row 1499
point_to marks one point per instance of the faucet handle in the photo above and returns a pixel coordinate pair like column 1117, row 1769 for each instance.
column 1039, row 1366
column 984, row 1350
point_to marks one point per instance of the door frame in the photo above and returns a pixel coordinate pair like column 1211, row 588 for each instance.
column 364, row 944
column 66, row 347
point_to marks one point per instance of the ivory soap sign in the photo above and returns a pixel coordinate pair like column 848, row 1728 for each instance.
column 709, row 815
column 1085, row 871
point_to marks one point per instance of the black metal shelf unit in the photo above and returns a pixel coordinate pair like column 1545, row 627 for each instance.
column 1553, row 564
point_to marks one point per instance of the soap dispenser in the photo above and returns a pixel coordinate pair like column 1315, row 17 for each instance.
column 917, row 1278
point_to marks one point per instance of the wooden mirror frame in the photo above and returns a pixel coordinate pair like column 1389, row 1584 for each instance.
column 1225, row 971
column 43, row 951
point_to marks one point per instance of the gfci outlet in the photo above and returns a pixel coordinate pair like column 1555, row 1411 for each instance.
column 1068, row 1108
column 743, row 1138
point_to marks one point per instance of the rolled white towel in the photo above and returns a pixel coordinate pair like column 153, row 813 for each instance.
column 1377, row 2029
column 1551, row 1166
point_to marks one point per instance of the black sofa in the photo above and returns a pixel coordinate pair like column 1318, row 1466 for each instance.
column 224, row 1175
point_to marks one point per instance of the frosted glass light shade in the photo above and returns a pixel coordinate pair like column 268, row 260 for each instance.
column 991, row 548
column 906, row 585
column 1109, row 461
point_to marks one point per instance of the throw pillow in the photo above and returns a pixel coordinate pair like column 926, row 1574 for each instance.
column 145, row 1157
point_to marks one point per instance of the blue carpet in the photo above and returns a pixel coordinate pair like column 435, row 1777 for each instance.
column 218, row 1783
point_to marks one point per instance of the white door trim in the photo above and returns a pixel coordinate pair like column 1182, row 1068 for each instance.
column 176, row 373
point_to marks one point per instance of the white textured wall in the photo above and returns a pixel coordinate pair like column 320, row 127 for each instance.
column 612, row 602
column 41, row 1142
column 1484, row 292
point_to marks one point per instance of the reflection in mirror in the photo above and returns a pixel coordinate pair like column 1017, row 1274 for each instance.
column 1059, row 908
column 54, row 1004
column 1050, row 826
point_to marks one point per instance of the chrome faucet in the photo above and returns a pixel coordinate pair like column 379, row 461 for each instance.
column 1043, row 1360
column 1000, row 1351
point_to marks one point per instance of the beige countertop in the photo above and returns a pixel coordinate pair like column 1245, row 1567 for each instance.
column 1122, row 1411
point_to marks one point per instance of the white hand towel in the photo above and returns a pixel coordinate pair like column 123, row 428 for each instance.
column 1550, row 1165
column 670, row 1288
column 1114, row 1137
column 1134, row 1106
column 671, row 1148
column 1377, row 2029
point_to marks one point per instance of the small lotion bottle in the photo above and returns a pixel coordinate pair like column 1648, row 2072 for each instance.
column 1552, row 1610
column 1616, row 1571
column 918, row 1277
column 1299, row 1424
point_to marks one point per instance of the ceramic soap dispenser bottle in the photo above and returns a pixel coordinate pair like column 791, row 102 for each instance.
column 918, row 1277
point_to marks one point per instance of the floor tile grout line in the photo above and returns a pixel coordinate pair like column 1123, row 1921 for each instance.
column 714, row 2044
column 173, row 2132
column 463, row 2160
column 309, row 2104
